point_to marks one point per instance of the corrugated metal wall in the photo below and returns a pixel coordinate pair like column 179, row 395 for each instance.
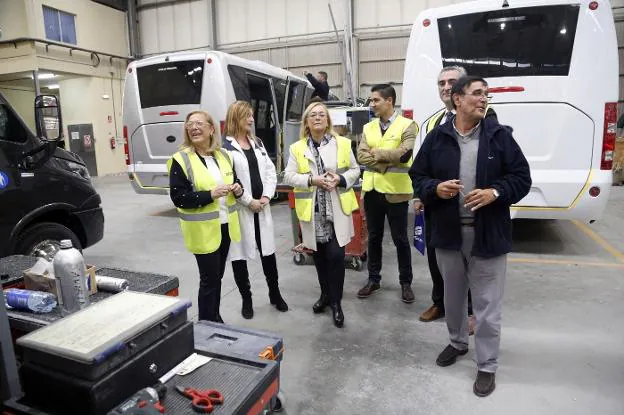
column 298, row 34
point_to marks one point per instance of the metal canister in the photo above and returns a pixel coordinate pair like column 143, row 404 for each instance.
column 69, row 271
column 111, row 284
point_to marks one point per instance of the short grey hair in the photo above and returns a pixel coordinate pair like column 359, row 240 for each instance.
column 460, row 69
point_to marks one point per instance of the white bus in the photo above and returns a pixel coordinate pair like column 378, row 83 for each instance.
column 552, row 70
column 160, row 91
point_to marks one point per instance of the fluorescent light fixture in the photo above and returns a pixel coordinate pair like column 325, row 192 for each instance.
column 44, row 76
column 563, row 31
column 105, row 96
column 53, row 86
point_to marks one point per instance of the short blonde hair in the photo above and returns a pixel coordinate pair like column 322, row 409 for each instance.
column 305, row 131
column 238, row 111
column 215, row 138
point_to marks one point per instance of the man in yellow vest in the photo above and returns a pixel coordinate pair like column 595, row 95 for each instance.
column 386, row 150
column 446, row 79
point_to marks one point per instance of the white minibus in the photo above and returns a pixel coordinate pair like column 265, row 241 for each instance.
column 161, row 90
column 552, row 70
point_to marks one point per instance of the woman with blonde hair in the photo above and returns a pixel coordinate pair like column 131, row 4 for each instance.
column 203, row 187
column 322, row 169
column 257, row 174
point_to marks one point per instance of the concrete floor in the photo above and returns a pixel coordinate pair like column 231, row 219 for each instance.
column 562, row 348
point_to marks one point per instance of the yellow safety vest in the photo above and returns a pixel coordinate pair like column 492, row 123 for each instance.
column 304, row 195
column 201, row 227
column 433, row 121
column 395, row 180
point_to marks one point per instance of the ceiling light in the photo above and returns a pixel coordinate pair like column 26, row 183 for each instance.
column 44, row 76
column 53, row 86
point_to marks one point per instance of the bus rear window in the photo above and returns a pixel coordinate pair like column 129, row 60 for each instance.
column 529, row 41
column 170, row 83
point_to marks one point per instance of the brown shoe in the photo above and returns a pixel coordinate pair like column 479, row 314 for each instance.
column 472, row 323
column 432, row 313
column 368, row 289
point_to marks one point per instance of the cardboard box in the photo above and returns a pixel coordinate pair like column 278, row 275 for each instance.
column 41, row 278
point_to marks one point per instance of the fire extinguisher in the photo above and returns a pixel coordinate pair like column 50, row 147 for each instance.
column 113, row 143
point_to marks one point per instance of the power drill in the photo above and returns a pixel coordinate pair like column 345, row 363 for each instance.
column 144, row 402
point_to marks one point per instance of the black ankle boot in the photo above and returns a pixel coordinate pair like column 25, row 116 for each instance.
column 337, row 315
column 247, row 309
column 276, row 299
column 320, row 304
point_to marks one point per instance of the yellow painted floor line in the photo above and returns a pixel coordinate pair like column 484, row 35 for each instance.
column 599, row 240
column 564, row 262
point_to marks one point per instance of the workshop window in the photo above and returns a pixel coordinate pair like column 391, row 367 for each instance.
column 59, row 26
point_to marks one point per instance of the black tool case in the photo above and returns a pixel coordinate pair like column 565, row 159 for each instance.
column 247, row 385
column 93, row 345
column 57, row 392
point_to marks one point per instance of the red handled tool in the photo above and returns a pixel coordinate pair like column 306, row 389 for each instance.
column 203, row 401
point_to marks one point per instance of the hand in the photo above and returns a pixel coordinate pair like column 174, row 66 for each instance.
column 264, row 201
column 220, row 191
column 255, row 206
column 479, row 198
column 332, row 180
column 448, row 189
column 237, row 189
column 318, row 181
column 418, row 206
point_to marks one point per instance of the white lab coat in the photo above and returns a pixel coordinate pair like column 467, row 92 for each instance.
column 247, row 247
column 343, row 224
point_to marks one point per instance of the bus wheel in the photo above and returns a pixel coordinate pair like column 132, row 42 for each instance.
column 44, row 240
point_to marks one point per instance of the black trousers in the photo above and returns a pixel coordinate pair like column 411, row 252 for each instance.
column 269, row 266
column 211, row 270
column 377, row 208
column 330, row 268
column 437, row 291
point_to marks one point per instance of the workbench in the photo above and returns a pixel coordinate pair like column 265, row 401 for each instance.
column 23, row 322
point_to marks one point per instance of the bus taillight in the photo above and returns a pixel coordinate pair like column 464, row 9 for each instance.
column 126, row 147
column 608, row 137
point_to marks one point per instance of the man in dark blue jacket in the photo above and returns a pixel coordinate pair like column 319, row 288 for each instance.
column 468, row 172
column 321, row 87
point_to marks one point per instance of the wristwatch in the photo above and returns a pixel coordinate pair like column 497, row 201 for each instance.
column 496, row 194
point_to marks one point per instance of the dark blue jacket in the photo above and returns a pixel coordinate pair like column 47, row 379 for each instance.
column 500, row 165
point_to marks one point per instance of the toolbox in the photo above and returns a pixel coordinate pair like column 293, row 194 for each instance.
column 222, row 338
column 225, row 339
column 57, row 392
column 105, row 335
column 247, row 384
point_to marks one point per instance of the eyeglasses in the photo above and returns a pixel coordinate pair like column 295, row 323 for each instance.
column 198, row 124
column 317, row 114
column 480, row 93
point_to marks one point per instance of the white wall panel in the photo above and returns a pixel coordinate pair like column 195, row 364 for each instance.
column 148, row 31
column 180, row 26
column 275, row 17
column 201, row 24
column 166, row 28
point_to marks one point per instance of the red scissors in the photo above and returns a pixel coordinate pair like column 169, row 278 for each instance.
column 203, row 401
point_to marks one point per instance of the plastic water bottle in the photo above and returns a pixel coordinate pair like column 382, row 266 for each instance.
column 69, row 271
column 35, row 301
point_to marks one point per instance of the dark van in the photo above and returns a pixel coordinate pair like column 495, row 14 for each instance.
column 45, row 192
